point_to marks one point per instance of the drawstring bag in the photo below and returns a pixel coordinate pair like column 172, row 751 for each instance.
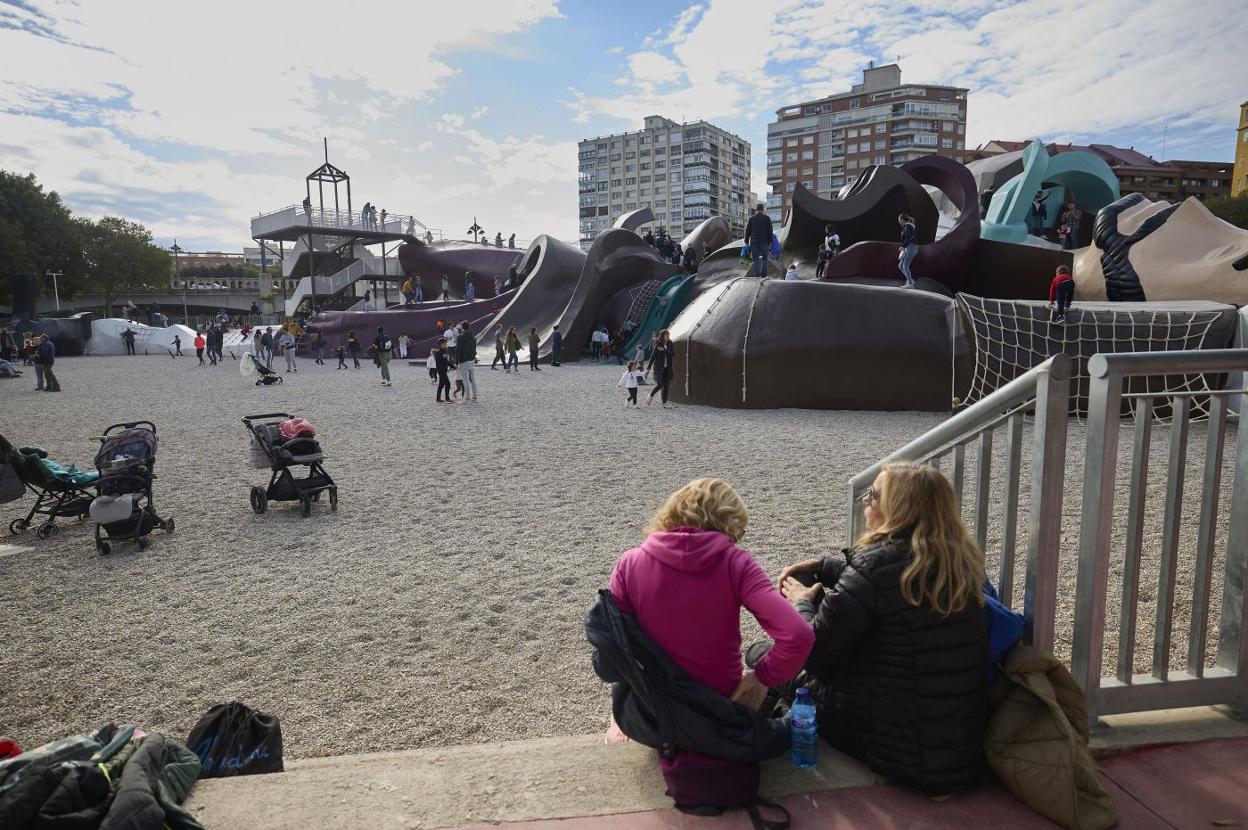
column 234, row 739
column 703, row 786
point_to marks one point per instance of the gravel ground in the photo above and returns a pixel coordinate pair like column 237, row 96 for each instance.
column 443, row 603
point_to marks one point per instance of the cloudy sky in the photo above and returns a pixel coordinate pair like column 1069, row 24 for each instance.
column 194, row 116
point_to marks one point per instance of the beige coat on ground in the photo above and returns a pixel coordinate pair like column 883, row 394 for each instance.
column 1037, row 742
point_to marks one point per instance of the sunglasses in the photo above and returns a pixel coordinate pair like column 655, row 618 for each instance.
column 872, row 496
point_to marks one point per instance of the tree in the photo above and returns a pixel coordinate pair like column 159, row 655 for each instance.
column 120, row 257
column 1233, row 209
column 38, row 234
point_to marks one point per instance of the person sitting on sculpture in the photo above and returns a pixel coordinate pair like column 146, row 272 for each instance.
column 899, row 666
column 1039, row 213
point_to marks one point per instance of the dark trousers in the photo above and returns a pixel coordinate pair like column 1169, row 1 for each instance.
column 199, row 353
column 129, row 347
column 595, row 349
column 355, row 356
column 632, row 395
column 554, row 355
column 661, row 382
column 532, row 360
column 49, row 380
column 342, row 361
column 1065, row 296
column 444, row 382
column 498, row 355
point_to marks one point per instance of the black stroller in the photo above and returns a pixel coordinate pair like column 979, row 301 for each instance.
column 282, row 454
column 264, row 374
column 55, row 496
column 124, row 509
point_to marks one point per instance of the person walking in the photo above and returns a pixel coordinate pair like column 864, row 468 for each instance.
column 451, row 333
column 341, row 354
column 498, row 350
column 470, row 287
column 47, row 359
column 632, row 378
column 177, row 346
column 199, row 346
column 446, row 288
column 287, row 343
column 381, row 348
column 404, row 342
column 466, row 357
column 498, row 285
column 758, row 232
column 909, row 248
column 595, row 346
column 353, row 346
column 512, row 344
column 441, row 367
column 660, row 367
column 318, row 348
column 535, row 343
column 30, row 352
column 127, row 337
column 257, row 345
column 418, row 289
column 556, row 347
column 821, row 261
column 409, row 295
column 266, row 342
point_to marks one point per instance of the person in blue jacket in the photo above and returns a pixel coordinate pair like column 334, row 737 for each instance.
column 47, row 357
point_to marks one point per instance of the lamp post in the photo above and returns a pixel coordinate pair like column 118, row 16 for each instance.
column 175, row 250
column 55, row 289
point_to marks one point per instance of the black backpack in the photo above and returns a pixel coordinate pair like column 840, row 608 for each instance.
column 234, row 739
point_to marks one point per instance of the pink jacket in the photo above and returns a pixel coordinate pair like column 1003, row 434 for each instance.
column 686, row 588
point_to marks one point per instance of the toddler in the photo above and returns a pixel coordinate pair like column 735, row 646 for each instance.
column 631, row 379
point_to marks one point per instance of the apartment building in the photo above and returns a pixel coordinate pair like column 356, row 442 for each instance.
column 1137, row 172
column 1239, row 184
column 684, row 173
column 825, row 144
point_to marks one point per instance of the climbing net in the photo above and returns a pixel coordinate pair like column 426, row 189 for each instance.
column 1012, row 336
column 640, row 297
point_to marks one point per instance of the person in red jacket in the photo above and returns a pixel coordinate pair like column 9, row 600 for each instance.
column 686, row 585
column 1062, row 292
column 199, row 346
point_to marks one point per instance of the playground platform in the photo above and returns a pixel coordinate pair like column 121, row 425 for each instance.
column 1171, row 769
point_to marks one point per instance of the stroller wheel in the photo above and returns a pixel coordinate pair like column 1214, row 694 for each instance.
column 259, row 501
column 305, row 507
column 280, row 379
column 46, row 530
column 259, row 382
column 103, row 548
column 333, row 499
column 167, row 525
column 17, row 526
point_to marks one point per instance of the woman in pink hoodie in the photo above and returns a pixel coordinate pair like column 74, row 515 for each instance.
column 686, row 586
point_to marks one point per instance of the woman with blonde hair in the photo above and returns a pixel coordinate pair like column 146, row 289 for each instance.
column 686, row 585
column 898, row 669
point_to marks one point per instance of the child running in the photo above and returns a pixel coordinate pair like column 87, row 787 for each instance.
column 432, row 364
column 631, row 379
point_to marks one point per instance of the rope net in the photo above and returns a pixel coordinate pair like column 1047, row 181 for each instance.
column 1012, row 336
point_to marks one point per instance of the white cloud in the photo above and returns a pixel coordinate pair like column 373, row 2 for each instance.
column 478, row 112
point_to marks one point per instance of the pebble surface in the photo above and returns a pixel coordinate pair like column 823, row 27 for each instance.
column 443, row 603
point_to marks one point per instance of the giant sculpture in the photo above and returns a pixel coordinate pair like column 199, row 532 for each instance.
column 1146, row 250
column 68, row 334
column 454, row 259
column 1082, row 176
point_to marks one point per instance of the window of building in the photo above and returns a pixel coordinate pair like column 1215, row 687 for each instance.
column 947, row 126
column 946, row 143
column 632, row 194
column 851, row 133
column 806, row 171
column 675, row 137
column 660, row 151
column 790, row 156
column 790, row 142
column 630, row 155
column 630, row 180
column 807, row 155
column 851, row 148
column 674, row 177
column 852, row 164
column 961, row 129
column 616, row 182
column 645, row 179
column 808, row 139
column 879, row 145
column 881, row 160
column 789, row 187
column 809, row 111
column 854, row 103
column 660, row 164
column 645, row 165
column 631, row 206
column 630, row 168
column 945, row 96
column 881, row 128
column 616, row 156
column 645, row 139
column 615, row 145
column 825, row 107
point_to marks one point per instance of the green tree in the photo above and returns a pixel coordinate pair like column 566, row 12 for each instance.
column 120, row 257
column 38, row 234
column 1233, row 209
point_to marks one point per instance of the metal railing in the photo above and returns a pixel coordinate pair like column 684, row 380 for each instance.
column 337, row 219
column 1196, row 685
column 1045, row 390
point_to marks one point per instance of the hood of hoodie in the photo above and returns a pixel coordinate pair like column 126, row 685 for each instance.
column 686, row 548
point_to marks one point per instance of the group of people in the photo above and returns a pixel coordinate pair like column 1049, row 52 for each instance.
column 265, row 344
column 891, row 637
column 658, row 368
column 455, row 351
column 1068, row 220
column 210, row 340
column 687, row 259
column 35, row 350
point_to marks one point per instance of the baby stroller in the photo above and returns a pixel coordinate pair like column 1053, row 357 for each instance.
column 282, row 452
column 266, row 375
column 59, row 492
column 124, row 508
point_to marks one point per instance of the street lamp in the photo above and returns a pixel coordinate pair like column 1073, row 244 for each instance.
column 175, row 250
column 55, row 289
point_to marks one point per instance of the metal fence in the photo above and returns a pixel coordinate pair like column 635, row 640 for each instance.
column 1114, row 381
column 1196, row 685
column 1045, row 391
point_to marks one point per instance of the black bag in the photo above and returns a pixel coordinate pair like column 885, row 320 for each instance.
column 705, row 787
column 234, row 739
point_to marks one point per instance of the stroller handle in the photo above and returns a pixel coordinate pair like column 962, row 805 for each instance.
column 247, row 419
column 130, row 425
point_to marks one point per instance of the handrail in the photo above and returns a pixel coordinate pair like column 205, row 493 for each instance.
column 1202, row 361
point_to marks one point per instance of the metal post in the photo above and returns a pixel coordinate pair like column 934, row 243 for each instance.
column 55, row 288
column 1096, row 531
column 176, row 250
column 1048, row 479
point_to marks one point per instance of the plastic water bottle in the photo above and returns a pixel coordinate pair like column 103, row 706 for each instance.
column 804, row 737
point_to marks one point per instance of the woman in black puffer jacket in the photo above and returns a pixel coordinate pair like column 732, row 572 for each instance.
column 899, row 667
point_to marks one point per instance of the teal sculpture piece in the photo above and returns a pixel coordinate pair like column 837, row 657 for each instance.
column 1085, row 177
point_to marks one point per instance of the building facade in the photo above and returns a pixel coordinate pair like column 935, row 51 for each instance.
column 1239, row 182
column 825, row 144
column 684, row 173
column 1173, row 180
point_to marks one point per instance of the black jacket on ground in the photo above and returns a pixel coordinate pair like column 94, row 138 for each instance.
column 758, row 230
column 657, row 704
column 897, row 685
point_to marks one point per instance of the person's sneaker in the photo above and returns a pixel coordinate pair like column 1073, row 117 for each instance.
column 649, row 400
column 474, row 398
column 756, row 652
